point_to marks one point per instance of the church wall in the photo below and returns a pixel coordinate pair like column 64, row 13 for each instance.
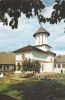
column 39, row 56
column 44, row 48
column 46, row 60
column 42, row 56
column 19, row 56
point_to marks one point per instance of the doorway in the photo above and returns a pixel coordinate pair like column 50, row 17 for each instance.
column 61, row 71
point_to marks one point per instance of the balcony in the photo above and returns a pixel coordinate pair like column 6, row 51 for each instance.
column 7, row 70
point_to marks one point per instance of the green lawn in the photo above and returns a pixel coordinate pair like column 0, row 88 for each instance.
column 36, row 89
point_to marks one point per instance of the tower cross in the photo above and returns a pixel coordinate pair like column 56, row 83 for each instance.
column 29, row 42
column 41, row 24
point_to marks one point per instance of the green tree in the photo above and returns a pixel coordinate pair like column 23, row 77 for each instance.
column 36, row 66
column 57, row 15
column 29, row 65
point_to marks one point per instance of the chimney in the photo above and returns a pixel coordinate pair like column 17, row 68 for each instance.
column 59, row 56
column 3, row 52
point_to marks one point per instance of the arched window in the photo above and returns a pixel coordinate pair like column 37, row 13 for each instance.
column 18, row 64
column 59, row 66
column 63, row 66
column 54, row 65
column 23, row 56
column 42, row 67
column 42, row 39
column 51, row 59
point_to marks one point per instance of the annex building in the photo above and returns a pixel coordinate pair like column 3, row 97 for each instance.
column 7, row 63
column 41, row 51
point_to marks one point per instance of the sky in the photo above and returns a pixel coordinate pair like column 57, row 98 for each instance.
column 11, row 40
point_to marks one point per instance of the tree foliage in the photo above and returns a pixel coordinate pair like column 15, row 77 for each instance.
column 14, row 8
column 57, row 15
column 29, row 65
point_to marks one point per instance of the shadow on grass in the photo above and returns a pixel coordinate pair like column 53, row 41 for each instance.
column 39, row 90
column 5, row 97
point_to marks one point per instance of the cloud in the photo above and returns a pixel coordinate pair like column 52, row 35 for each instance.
column 11, row 40
column 48, row 10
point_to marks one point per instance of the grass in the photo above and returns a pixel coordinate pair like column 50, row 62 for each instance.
column 36, row 89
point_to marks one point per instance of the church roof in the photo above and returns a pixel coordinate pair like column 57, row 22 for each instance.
column 29, row 48
column 41, row 30
column 59, row 59
column 43, row 45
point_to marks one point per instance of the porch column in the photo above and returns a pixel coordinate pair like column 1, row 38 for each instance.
column 16, row 68
column 56, row 66
column 61, row 66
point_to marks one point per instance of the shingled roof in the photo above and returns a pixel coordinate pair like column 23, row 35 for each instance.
column 41, row 30
column 27, row 48
column 7, row 58
column 43, row 45
column 30, row 48
column 59, row 59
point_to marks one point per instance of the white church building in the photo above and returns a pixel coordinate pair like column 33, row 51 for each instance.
column 41, row 52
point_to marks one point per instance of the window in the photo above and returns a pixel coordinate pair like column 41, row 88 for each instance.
column 54, row 65
column 7, row 67
column 51, row 59
column 18, row 64
column 39, row 40
column 0, row 67
column 42, row 39
column 59, row 66
column 23, row 56
column 63, row 66
column 4, row 67
column 42, row 67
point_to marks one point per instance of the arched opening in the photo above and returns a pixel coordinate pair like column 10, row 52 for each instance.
column 42, row 67
column 18, row 65
column 59, row 66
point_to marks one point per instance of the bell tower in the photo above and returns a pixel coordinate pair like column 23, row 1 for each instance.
column 41, row 36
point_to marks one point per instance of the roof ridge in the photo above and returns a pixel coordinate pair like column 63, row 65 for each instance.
column 41, row 30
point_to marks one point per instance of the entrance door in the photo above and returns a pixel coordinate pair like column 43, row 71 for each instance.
column 61, row 71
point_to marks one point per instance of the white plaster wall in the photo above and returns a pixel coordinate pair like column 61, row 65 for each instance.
column 1, row 75
column 44, row 48
column 38, row 38
column 49, row 56
column 48, row 67
column 39, row 55
column 27, row 55
column 42, row 56
column 58, row 70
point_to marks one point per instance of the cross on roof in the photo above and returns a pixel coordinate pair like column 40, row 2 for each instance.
column 29, row 42
column 41, row 24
